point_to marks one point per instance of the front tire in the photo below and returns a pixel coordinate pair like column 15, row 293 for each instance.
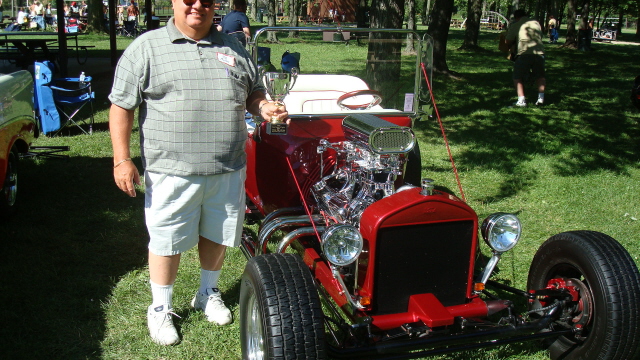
column 609, row 307
column 9, row 191
column 280, row 313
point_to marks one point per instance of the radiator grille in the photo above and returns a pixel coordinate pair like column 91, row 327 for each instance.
column 416, row 259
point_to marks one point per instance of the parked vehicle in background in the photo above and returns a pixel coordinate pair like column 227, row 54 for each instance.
column 358, row 257
column 18, row 129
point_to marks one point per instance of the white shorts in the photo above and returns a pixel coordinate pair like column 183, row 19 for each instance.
column 179, row 209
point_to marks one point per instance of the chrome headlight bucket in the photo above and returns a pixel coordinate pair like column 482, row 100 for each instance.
column 342, row 244
column 501, row 231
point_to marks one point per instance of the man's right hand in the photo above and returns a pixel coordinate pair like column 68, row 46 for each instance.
column 126, row 175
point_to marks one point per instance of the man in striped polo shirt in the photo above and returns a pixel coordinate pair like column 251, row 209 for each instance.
column 192, row 85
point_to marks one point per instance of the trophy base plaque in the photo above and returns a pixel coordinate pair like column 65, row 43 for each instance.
column 277, row 129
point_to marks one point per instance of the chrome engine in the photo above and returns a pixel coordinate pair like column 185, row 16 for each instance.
column 368, row 164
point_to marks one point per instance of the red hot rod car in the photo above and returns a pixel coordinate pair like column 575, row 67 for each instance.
column 356, row 256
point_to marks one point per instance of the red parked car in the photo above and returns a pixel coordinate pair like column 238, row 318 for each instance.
column 357, row 257
column 18, row 130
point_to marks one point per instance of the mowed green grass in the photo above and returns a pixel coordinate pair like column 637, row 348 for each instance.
column 75, row 280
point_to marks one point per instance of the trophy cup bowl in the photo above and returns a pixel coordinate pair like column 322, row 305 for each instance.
column 278, row 86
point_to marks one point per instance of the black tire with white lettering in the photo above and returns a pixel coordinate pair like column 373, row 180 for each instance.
column 608, row 309
column 280, row 313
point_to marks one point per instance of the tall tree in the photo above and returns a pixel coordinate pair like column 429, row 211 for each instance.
column 439, row 31
column 411, row 23
column 384, row 59
column 638, row 22
column 539, row 14
column 620, row 19
column 294, row 10
column 361, row 13
column 584, row 32
column 572, row 34
column 254, row 9
column 271, row 20
column 426, row 10
column 95, row 19
column 471, row 33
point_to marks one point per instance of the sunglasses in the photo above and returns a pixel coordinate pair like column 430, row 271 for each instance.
column 205, row 3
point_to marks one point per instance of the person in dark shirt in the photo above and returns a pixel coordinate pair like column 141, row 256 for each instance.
column 236, row 22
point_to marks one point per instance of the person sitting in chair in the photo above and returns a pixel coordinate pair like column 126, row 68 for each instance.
column 236, row 22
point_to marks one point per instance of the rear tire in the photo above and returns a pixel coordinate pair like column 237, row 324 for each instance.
column 610, row 276
column 9, row 194
column 280, row 313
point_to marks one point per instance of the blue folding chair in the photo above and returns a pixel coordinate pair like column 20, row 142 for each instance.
column 44, row 104
column 67, row 95
column 70, row 96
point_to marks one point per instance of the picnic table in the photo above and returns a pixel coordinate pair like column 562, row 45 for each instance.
column 26, row 48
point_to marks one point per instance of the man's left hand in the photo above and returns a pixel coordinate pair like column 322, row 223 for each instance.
column 274, row 112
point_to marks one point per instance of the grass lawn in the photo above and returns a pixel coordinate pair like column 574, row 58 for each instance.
column 75, row 282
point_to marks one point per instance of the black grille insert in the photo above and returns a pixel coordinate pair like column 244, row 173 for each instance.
column 417, row 259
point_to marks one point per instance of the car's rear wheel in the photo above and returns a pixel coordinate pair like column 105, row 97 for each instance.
column 606, row 281
column 9, row 195
column 280, row 313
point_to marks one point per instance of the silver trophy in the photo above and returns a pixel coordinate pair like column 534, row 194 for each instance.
column 278, row 86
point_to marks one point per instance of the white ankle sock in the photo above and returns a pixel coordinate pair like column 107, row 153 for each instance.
column 162, row 294
column 541, row 96
column 208, row 280
column 521, row 99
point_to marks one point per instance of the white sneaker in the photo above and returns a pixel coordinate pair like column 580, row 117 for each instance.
column 160, row 325
column 213, row 307
column 519, row 104
column 540, row 102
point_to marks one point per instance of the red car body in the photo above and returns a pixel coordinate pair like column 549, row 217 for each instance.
column 386, row 266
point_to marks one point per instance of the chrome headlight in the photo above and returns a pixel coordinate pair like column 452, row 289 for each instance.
column 342, row 244
column 501, row 231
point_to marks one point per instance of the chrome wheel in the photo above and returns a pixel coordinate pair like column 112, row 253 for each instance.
column 255, row 341
column 280, row 313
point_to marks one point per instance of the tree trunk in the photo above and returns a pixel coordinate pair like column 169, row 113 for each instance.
column 96, row 20
column 294, row 6
column 584, row 19
column 411, row 24
column 638, row 25
column 439, row 31
column 559, row 11
column 254, row 10
column 572, row 34
column 584, row 31
column 515, row 5
column 620, row 19
column 384, row 58
column 271, row 21
column 541, row 4
column 361, row 14
column 471, row 33
column 425, row 12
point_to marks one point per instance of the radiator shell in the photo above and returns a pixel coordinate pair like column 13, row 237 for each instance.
column 417, row 244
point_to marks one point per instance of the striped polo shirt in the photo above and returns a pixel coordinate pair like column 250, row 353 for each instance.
column 192, row 98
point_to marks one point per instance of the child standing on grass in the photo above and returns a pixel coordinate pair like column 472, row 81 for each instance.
column 553, row 35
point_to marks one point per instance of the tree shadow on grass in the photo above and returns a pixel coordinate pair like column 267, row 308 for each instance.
column 584, row 127
column 74, row 236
